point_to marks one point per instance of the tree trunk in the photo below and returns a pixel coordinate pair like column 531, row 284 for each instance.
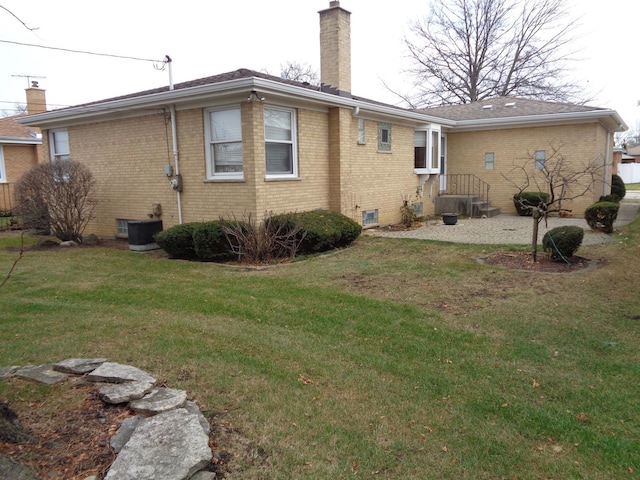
column 534, row 236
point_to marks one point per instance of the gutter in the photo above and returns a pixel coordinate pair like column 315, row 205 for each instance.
column 20, row 141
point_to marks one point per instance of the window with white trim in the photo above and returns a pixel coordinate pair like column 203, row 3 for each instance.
column 280, row 142
column 384, row 137
column 59, row 144
column 370, row 217
column 3, row 173
column 224, row 138
column 489, row 160
column 541, row 158
column 429, row 150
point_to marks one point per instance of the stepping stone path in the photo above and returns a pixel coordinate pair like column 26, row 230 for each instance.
column 168, row 439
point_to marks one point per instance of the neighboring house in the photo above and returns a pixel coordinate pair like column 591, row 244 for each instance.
column 20, row 147
column 245, row 142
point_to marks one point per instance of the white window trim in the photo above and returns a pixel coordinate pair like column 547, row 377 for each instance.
column 52, row 145
column 429, row 142
column 3, row 171
column 211, row 173
column 293, row 143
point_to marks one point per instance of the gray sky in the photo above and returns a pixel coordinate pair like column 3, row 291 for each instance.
column 207, row 37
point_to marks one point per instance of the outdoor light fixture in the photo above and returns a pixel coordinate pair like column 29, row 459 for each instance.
column 254, row 96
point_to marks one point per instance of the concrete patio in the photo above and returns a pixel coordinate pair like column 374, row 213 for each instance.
column 509, row 228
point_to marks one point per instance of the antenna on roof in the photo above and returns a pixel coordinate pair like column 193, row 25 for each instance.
column 29, row 77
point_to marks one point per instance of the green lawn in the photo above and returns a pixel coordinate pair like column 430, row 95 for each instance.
column 632, row 186
column 395, row 359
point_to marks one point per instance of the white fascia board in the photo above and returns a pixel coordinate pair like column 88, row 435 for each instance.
column 133, row 106
column 19, row 141
column 609, row 118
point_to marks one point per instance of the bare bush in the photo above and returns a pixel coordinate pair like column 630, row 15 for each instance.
column 256, row 242
column 57, row 198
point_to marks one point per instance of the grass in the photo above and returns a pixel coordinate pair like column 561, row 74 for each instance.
column 632, row 186
column 392, row 359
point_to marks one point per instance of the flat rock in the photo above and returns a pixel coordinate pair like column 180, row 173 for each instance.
column 112, row 372
column 10, row 469
column 125, row 392
column 159, row 400
column 78, row 366
column 6, row 372
column 195, row 410
column 41, row 374
column 122, row 436
column 204, row 476
column 170, row 445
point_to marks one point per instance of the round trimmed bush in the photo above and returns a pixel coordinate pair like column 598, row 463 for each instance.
column 177, row 241
column 322, row 229
column 617, row 186
column 562, row 242
column 523, row 202
column 210, row 242
column 601, row 215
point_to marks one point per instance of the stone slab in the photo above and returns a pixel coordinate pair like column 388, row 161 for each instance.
column 195, row 410
column 112, row 372
column 6, row 372
column 10, row 469
column 159, row 400
column 124, row 392
column 122, row 436
column 170, row 445
column 78, row 366
column 41, row 374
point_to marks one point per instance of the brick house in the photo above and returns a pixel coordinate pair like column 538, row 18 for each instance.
column 20, row 147
column 246, row 142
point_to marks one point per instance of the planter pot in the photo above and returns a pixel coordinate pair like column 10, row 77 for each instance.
column 450, row 218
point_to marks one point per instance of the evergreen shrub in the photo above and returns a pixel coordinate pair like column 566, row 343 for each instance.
column 562, row 242
column 617, row 186
column 601, row 215
column 177, row 241
column 523, row 201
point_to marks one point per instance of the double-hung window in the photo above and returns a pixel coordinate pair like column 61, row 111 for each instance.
column 429, row 148
column 280, row 142
column 224, row 155
column 541, row 158
column 59, row 144
column 3, row 173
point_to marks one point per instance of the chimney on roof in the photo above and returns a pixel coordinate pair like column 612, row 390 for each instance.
column 335, row 47
column 36, row 99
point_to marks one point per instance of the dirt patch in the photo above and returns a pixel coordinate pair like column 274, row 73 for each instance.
column 544, row 264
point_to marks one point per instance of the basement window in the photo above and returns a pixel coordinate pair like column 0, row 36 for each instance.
column 122, row 228
column 370, row 217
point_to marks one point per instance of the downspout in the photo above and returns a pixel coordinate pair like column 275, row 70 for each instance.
column 174, row 138
column 607, row 167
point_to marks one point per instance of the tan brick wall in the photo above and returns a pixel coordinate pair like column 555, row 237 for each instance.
column 579, row 144
column 17, row 160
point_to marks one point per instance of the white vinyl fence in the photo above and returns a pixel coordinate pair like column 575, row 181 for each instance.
column 629, row 172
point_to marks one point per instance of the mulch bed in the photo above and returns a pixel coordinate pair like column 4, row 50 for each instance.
column 544, row 264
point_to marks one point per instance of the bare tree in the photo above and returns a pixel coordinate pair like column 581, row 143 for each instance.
column 469, row 50
column 560, row 179
column 59, row 196
column 299, row 72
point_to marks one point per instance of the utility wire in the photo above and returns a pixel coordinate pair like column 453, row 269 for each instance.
column 84, row 51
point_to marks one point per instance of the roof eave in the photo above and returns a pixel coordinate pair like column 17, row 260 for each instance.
column 20, row 141
column 610, row 119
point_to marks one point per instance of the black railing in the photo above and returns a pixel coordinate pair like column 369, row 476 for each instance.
column 468, row 185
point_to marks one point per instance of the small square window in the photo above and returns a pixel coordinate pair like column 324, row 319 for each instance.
column 489, row 161
column 541, row 158
column 122, row 228
column 384, row 136
column 370, row 217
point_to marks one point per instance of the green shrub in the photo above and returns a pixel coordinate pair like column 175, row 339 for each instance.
column 210, row 241
column 617, row 186
column 600, row 216
column 319, row 230
column 610, row 198
column 177, row 241
column 523, row 201
column 562, row 242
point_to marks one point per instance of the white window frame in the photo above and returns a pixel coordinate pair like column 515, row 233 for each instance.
column 433, row 142
column 293, row 142
column 384, row 146
column 58, row 155
column 489, row 161
column 3, row 171
column 211, row 172
column 540, row 159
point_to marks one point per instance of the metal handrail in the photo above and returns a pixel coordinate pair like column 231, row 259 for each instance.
column 467, row 184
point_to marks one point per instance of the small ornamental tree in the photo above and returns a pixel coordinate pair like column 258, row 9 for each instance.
column 555, row 176
column 57, row 197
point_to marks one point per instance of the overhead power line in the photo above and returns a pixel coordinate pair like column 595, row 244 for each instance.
column 84, row 52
